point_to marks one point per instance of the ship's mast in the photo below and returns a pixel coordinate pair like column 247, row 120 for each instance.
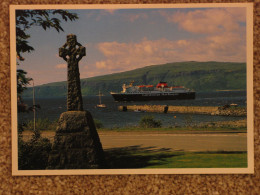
column 99, row 97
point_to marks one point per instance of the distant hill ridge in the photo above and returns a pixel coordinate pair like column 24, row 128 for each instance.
column 200, row 76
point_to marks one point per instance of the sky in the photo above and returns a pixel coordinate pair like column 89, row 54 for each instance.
column 119, row 40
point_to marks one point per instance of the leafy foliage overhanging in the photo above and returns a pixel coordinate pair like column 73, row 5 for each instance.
column 25, row 19
column 34, row 153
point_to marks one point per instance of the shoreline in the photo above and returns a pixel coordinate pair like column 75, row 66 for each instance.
column 206, row 127
column 226, row 110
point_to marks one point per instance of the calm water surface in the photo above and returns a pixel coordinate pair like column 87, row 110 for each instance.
column 51, row 108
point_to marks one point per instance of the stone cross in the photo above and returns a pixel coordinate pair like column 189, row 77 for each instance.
column 72, row 52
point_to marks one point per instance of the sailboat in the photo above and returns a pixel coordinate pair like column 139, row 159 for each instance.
column 100, row 105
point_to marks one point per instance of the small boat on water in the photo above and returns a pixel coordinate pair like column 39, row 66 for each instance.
column 100, row 105
column 149, row 93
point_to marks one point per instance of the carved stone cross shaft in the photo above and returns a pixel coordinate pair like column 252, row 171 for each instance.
column 72, row 52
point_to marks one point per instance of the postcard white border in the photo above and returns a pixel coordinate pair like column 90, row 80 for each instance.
column 250, row 107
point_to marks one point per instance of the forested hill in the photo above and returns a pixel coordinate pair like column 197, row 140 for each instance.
column 200, row 76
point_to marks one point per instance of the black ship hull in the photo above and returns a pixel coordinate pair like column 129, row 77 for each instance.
column 151, row 97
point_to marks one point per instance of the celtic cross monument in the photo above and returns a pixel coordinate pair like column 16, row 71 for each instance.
column 76, row 142
column 72, row 52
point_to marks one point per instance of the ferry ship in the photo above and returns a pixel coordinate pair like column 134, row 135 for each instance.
column 149, row 93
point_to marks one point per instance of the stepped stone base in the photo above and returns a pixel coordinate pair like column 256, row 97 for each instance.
column 76, row 143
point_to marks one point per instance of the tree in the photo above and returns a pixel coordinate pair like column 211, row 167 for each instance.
column 25, row 19
column 22, row 82
column 33, row 154
column 148, row 121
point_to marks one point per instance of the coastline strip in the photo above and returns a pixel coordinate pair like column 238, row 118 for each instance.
column 211, row 110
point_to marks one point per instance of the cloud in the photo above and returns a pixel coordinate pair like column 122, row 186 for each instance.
column 118, row 56
column 208, row 21
column 99, row 14
column 127, row 56
column 110, row 11
column 101, row 64
column 129, row 17
column 134, row 17
column 222, row 37
column 61, row 66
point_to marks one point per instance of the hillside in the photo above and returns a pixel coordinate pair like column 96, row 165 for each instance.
column 200, row 76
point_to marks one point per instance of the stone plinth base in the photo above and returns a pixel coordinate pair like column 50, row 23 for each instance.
column 76, row 143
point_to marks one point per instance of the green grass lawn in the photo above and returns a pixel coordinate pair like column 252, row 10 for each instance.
column 148, row 157
column 203, row 160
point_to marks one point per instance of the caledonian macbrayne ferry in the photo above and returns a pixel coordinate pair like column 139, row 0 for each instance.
column 148, row 93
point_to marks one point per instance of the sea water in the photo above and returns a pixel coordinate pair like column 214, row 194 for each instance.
column 110, row 117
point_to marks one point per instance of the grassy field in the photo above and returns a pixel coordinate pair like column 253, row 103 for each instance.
column 150, row 157
column 140, row 157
